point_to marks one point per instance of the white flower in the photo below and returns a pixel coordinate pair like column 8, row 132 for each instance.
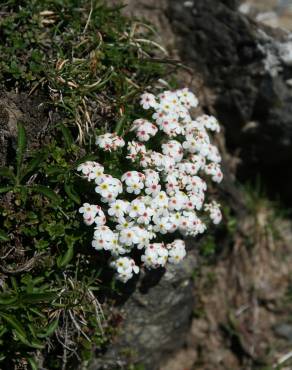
column 134, row 149
column 214, row 170
column 188, row 223
column 144, row 237
column 109, row 188
column 178, row 201
column 96, row 172
column 153, row 189
column 162, row 162
column 145, row 217
column 124, row 223
column 176, row 251
column 100, row 218
column 155, row 255
column 109, row 141
column 173, row 149
column 197, row 200
column 125, row 268
column 209, row 122
column 103, row 238
column 161, row 224
column 89, row 208
column 151, row 177
column 134, row 181
column 174, row 220
column 88, row 167
column 144, row 129
column 148, row 101
column 196, row 184
column 90, row 212
column 136, row 208
column 214, row 210
column 118, row 208
column 160, row 200
column 117, row 248
column 187, row 98
column 128, row 236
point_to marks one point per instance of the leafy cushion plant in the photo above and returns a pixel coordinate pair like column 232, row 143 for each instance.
column 159, row 193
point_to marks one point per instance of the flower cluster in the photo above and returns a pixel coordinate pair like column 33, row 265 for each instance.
column 109, row 142
column 163, row 191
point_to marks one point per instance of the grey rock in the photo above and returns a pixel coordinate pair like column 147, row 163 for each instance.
column 156, row 319
column 284, row 330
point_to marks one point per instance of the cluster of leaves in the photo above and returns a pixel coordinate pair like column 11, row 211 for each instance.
column 91, row 62
column 41, row 237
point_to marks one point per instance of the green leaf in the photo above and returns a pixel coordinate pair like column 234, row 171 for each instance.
column 50, row 330
column 55, row 170
column 47, row 192
column 5, row 189
column 3, row 330
column 68, row 138
column 62, row 261
column 22, row 338
column 23, row 191
column 21, row 148
column 32, row 330
column 7, row 172
column 33, row 364
column 34, row 163
column 36, row 312
column 3, row 237
column 7, row 299
column 30, row 343
column 14, row 323
column 119, row 125
column 37, row 297
column 69, row 189
column 36, row 344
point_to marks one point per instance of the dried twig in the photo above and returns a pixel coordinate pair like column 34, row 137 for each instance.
column 7, row 254
column 89, row 18
column 283, row 359
column 27, row 266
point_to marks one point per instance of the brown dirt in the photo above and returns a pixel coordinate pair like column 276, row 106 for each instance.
column 32, row 111
column 243, row 303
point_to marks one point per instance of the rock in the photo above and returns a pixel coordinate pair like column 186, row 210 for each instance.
column 247, row 65
column 156, row 319
column 284, row 330
column 274, row 13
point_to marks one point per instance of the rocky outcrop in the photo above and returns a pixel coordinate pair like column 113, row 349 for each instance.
column 248, row 68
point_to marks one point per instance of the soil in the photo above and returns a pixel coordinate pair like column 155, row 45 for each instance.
column 33, row 112
column 242, row 316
